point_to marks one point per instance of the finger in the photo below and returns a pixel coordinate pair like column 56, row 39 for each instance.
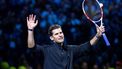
column 97, row 27
column 30, row 17
column 103, row 30
column 27, row 19
column 34, row 17
column 36, row 22
column 102, row 27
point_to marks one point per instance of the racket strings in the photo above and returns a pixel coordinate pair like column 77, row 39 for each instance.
column 92, row 9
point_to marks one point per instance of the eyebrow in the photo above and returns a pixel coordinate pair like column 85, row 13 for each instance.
column 56, row 33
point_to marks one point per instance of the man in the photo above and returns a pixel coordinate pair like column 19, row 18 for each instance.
column 58, row 55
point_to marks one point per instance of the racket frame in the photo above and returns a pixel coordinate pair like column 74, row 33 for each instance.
column 100, row 20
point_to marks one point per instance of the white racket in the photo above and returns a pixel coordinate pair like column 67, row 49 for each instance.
column 92, row 9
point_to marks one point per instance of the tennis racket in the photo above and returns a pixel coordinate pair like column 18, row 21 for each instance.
column 93, row 11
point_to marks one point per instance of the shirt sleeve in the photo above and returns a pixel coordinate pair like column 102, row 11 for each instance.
column 80, row 49
column 36, row 48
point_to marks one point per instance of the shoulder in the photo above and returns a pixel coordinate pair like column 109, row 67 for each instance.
column 71, row 45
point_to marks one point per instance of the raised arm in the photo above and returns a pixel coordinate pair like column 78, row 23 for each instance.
column 31, row 24
column 100, row 30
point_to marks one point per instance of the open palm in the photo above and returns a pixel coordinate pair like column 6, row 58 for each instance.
column 31, row 22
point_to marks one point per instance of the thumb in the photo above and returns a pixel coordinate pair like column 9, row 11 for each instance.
column 36, row 22
column 97, row 27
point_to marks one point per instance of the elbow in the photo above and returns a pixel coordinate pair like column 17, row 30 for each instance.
column 92, row 43
column 31, row 45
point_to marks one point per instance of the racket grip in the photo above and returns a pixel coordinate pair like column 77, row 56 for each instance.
column 106, row 39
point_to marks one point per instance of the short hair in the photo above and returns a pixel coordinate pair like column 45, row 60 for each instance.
column 55, row 26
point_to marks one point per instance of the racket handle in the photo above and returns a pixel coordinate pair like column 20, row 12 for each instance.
column 106, row 39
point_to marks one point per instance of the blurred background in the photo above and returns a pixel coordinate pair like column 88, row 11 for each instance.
column 77, row 29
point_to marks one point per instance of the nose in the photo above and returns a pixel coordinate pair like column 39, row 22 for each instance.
column 60, row 35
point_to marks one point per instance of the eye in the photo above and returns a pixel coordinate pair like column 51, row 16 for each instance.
column 56, row 33
column 61, row 32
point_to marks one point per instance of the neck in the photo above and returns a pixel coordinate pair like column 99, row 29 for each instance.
column 60, row 44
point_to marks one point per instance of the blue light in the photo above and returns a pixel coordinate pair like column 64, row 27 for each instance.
column 12, row 44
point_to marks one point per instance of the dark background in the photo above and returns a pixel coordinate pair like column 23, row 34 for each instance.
column 77, row 29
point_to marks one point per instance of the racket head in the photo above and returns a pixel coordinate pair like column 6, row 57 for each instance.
column 92, row 9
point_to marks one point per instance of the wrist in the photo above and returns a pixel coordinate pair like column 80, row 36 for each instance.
column 30, row 29
column 97, row 36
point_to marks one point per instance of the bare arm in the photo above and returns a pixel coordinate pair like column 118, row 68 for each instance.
column 95, row 39
column 31, row 24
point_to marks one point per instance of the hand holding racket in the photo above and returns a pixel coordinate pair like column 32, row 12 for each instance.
column 94, row 12
column 100, row 30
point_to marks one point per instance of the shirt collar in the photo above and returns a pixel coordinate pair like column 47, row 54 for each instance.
column 59, row 45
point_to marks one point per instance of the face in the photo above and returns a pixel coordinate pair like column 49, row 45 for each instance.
column 57, row 35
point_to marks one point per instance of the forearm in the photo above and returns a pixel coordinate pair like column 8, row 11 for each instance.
column 100, row 31
column 31, row 24
column 94, row 40
column 31, row 42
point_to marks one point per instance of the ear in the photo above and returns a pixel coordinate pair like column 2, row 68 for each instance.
column 51, row 37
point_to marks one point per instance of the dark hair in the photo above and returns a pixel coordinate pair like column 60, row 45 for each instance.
column 55, row 26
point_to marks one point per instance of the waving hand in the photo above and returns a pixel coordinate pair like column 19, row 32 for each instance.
column 31, row 21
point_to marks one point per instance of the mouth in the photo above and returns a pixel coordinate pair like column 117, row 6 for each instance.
column 60, row 38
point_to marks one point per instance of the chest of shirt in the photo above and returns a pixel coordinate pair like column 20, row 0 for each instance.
column 57, row 54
